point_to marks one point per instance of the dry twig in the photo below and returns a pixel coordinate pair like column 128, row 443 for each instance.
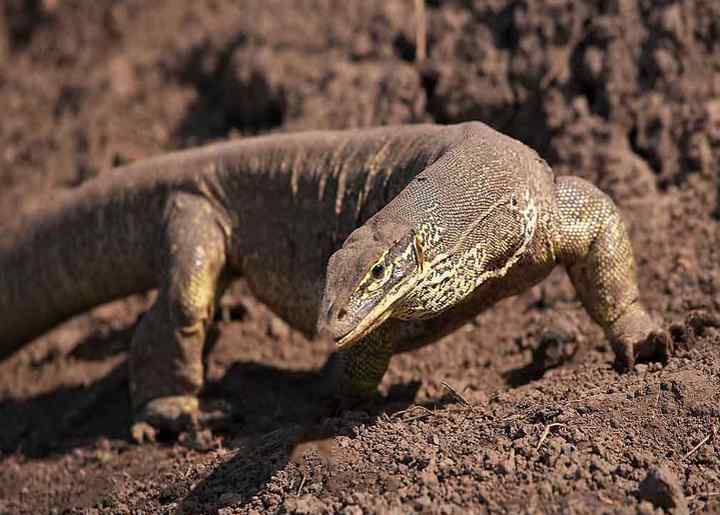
column 694, row 449
column 456, row 394
column 302, row 483
column 427, row 413
column 546, row 432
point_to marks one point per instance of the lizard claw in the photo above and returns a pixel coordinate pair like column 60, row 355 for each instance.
column 656, row 345
column 142, row 432
column 636, row 337
column 165, row 414
column 176, row 414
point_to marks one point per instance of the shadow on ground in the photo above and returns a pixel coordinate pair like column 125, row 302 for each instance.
column 279, row 416
column 284, row 414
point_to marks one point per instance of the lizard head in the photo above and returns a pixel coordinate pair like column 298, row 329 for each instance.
column 377, row 266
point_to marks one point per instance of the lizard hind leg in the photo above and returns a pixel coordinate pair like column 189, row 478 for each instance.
column 593, row 244
column 166, row 362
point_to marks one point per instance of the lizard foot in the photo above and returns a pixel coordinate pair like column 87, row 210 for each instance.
column 635, row 337
column 165, row 414
column 175, row 414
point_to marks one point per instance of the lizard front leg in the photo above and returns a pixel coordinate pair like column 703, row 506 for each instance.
column 166, row 369
column 594, row 246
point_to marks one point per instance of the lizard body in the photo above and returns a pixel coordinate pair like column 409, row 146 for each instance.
column 483, row 210
column 269, row 195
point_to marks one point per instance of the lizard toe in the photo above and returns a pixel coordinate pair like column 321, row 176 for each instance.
column 655, row 346
column 142, row 432
column 172, row 415
column 635, row 336
column 624, row 355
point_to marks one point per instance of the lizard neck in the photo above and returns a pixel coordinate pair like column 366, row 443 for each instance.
column 293, row 199
column 483, row 208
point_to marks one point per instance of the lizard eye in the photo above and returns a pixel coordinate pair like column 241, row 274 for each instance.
column 378, row 271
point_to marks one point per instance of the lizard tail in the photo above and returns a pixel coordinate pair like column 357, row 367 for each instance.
column 88, row 246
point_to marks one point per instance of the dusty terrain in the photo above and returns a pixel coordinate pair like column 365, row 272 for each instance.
column 533, row 418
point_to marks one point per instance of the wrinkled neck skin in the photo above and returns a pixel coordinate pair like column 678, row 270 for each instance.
column 314, row 187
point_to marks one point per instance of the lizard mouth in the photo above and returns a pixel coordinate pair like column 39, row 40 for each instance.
column 366, row 326
column 377, row 315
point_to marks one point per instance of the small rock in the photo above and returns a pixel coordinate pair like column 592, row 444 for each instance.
column 712, row 115
column 662, row 488
column 423, row 502
column 507, row 466
column 305, row 504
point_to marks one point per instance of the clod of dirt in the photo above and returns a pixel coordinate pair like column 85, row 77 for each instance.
column 306, row 504
column 662, row 488
column 699, row 321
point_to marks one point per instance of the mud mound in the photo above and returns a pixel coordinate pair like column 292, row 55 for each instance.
column 519, row 412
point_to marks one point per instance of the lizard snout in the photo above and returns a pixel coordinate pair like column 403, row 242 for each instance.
column 334, row 322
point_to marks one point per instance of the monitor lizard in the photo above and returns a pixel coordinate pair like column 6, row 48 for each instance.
column 383, row 238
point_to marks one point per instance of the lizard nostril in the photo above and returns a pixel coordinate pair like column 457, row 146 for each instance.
column 341, row 314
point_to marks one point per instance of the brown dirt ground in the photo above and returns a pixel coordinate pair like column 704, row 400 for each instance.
column 623, row 92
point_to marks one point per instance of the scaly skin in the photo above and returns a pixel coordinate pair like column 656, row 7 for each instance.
column 484, row 222
column 274, row 209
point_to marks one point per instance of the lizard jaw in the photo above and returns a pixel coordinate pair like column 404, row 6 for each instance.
column 377, row 315
column 365, row 326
